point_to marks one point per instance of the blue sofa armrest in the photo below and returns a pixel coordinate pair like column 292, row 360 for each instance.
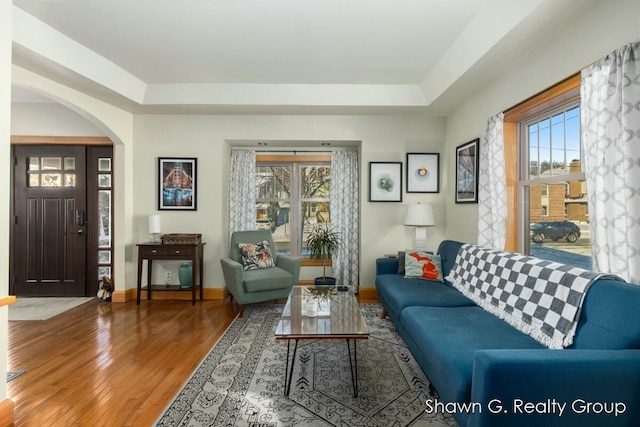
column 386, row 266
column 530, row 388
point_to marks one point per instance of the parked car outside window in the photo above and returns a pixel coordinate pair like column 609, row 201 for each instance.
column 555, row 230
column 263, row 224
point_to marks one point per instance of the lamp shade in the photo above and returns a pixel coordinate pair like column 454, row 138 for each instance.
column 419, row 215
column 154, row 224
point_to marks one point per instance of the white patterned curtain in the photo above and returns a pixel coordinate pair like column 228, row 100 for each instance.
column 344, row 216
column 242, row 191
column 492, row 188
column 610, row 126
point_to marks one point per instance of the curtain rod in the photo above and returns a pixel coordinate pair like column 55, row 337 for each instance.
column 293, row 151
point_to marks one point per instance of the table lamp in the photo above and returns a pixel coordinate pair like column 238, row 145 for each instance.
column 154, row 228
column 420, row 216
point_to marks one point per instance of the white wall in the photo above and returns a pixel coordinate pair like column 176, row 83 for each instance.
column 552, row 58
column 49, row 119
column 383, row 138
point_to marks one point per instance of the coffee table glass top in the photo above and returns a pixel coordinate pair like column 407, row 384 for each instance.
column 339, row 317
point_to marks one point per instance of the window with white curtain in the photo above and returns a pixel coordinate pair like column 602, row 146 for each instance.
column 291, row 198
column 554, row 210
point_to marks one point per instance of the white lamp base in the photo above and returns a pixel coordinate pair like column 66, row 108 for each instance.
column 421, row 238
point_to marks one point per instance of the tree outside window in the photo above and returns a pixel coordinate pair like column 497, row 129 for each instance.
column 291, row 198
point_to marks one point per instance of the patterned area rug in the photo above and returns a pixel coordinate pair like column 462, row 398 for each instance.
column 28, row 308
column 241, row 381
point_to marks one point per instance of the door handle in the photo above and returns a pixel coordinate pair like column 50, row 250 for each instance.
column 81, row 218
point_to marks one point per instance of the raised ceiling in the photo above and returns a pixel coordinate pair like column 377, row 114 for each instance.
column 235, row 56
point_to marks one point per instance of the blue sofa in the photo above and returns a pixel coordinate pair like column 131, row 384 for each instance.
column 487, row 373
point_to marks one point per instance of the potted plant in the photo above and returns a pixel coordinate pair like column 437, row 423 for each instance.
column 322, row 242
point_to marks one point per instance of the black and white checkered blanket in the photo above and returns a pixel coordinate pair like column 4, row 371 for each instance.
column 540, row 298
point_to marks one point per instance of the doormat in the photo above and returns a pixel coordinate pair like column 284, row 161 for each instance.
column 14, row 374
column 26, row 308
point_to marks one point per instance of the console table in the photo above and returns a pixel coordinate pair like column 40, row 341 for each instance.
column 157, row 251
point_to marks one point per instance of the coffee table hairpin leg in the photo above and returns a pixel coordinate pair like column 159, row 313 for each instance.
column 289, row 374
column 353, row 366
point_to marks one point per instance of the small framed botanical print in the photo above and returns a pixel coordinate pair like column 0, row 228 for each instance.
column 385, row 181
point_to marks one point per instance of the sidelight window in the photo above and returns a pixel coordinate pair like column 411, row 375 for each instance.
column 105, row 244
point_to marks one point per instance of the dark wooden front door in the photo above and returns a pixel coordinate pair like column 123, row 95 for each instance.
column 50, row 216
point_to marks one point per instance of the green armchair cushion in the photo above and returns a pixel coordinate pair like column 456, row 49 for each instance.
column 267, row 279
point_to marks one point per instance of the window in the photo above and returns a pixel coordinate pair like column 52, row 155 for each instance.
column 553, row 186
column 50, row 172
column 105, row 246
column 291, row 198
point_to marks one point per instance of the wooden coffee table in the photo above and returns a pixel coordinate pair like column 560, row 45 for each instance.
column 339, row 318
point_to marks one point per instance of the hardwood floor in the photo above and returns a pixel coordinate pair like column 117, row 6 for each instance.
column 110, row 364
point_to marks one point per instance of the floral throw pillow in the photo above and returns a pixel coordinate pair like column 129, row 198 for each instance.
column 422, row 265
column 256, row 255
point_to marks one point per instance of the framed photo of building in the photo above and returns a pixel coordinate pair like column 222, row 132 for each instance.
column 423, row 173
column 385, row 181
column 177, row 184
column 467, row 163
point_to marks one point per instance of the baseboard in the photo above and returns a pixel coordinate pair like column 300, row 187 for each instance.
column 367, row 293
column 7, row 413
column 207, row 294
column 123, row 296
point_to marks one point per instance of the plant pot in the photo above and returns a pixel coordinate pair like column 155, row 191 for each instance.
column 184, row 275
column 325, row 281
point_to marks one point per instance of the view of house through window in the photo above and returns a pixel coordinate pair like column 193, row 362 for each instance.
column 554, row 187
column 291, row 199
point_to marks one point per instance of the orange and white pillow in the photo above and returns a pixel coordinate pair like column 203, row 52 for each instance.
column 420, row 264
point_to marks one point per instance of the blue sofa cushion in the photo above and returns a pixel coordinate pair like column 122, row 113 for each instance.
column 397, row 293
column 448, row 337
column 610, row 317
column 387, row 266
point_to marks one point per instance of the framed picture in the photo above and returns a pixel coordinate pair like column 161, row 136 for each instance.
column 385, row 181
column 423, row 173
column 467, row 163
column 177, row 184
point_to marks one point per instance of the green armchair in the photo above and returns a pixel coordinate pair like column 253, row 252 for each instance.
column 262, row 284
